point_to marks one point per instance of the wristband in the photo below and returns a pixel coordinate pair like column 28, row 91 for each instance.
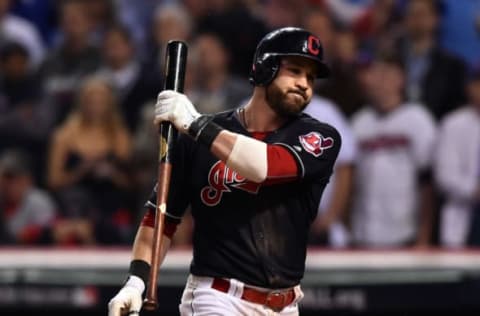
column 140, row 269
column 204, row 130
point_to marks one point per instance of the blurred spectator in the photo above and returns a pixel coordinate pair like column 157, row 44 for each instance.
column 170, row 22
column 461, row 29
column 39, row 12
column 134, row 84
column 17, row 29
column 87, row 167
column 329, row 228
column 434, row 78
column 144, row 155
column 137, row 17
column 101, row 14
column 393, row 196
column 197, row 9
column 17, row 82
column 22, row 124
column 348, row 11
column 340, row 50
column 458, row 171
column 27, row 213
column 71, row 61
column 239, row 29
column 378, row 27
column 281, row 13
column 215, row 89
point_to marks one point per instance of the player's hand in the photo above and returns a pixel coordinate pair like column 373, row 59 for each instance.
column 176, row 108
column 128, row 301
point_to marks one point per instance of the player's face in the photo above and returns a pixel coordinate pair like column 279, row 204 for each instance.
column 292, row 89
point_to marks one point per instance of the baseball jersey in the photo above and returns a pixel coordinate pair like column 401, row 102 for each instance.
column 394, row 148
column 252, row 232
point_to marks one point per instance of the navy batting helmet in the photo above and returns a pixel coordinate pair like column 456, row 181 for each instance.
column 287, row 41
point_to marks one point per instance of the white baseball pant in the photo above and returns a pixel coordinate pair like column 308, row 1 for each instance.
column 200, row 299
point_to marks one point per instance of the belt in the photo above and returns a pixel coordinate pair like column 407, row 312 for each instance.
column 275, row 300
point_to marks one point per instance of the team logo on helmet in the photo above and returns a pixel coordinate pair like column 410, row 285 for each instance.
column 313, row 45
column 315, row 143
column 222, row 179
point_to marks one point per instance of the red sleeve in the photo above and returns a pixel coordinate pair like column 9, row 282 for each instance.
column 282, row 166
column 169, row 227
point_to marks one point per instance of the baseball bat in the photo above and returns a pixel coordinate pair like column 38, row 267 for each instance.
column 175, row 64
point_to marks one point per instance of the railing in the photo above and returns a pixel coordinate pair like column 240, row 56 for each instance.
column 347, row 281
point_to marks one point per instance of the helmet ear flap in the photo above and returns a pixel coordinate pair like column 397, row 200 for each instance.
column 264, row 71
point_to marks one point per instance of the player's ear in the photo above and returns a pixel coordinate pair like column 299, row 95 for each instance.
column 264, row 70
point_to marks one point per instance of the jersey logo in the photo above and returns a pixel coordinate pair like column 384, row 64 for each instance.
column 385, row 142
column 220, row 180
column 315, row 143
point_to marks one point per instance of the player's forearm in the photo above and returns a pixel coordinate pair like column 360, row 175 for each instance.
column 142, row 247
column 245, row 155
column 223, row 144
column 255, row 160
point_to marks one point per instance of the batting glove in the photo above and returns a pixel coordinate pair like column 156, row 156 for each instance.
column 176, row 108
column 128, row 300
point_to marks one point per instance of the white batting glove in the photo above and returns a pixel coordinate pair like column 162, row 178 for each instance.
column 128, row 300
column 176, row 108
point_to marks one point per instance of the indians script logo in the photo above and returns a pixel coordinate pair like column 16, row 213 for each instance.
column 222, row 179
column 315, row 143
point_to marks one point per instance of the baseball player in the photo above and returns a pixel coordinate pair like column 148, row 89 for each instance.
column 253, row 177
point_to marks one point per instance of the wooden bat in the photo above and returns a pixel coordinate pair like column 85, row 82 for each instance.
column 175, row 64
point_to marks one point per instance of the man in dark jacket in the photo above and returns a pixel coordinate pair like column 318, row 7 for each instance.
column 433, row 77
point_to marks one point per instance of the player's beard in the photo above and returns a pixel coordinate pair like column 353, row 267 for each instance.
column 285, row 104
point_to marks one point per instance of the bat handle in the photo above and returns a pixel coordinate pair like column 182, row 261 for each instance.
column 150, row 302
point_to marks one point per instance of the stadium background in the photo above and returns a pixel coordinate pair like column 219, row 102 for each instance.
column 67, row 249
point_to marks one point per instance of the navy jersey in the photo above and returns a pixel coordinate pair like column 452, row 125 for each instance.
column 252, row 232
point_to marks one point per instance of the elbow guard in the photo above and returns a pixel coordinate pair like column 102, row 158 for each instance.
column 249, row 158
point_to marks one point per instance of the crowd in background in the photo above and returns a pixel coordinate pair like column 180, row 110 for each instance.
column 78, row 79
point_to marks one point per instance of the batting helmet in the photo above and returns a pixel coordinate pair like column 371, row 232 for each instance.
column 287, row 41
